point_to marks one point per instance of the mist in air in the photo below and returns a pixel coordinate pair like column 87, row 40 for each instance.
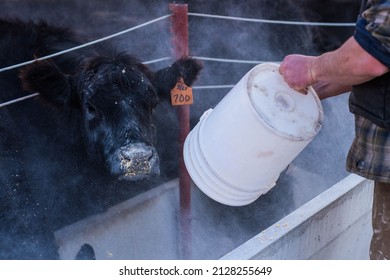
column 216, row 229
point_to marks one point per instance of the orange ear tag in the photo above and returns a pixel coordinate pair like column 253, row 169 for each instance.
column 181, row 94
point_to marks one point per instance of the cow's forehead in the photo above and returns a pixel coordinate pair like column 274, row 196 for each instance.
column 123, row 81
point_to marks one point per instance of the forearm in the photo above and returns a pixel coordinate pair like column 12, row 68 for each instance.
column 325, row 90
column 349, row 65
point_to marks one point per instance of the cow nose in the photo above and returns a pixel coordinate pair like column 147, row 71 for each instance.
column 138, row 161
column 138, row 154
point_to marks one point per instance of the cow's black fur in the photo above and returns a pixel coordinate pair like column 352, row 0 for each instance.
column 84, row 144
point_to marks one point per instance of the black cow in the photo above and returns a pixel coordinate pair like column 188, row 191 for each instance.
column 87, row 142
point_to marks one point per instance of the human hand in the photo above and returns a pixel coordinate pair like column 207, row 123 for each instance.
column 296, row 71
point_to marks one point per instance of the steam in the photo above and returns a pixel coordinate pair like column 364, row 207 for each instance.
column 216, row 228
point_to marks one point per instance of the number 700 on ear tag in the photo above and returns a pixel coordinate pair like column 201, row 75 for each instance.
column 181, row 94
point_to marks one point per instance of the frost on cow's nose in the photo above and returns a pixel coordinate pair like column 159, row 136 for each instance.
column 135, row 162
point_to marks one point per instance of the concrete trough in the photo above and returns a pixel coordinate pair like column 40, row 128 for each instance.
column 333, row 225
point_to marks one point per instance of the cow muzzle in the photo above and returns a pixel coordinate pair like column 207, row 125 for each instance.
column 135, row 162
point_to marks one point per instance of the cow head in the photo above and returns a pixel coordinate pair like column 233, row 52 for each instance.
column 116, row 98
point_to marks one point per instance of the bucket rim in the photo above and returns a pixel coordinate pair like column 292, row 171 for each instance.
column 310, row 92
column 209, row 182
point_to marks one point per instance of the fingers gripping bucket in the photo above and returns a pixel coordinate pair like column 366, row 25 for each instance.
column 237, row 150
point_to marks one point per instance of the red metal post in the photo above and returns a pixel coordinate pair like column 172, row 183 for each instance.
column 180, row 49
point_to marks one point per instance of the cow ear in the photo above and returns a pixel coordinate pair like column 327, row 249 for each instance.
column 50, row 82
column 166, row 79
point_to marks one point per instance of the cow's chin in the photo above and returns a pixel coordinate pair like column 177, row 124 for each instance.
column 134, row 162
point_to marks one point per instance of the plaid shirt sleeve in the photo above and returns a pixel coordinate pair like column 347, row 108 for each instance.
column 373, row 30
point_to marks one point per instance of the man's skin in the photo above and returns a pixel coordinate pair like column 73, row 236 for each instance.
column 331, row 73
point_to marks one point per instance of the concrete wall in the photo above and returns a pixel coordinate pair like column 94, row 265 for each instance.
column 144, row 227
column 334, row 225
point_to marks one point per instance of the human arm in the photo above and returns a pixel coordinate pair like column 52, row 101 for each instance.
column 325, row 90
column 347, row 66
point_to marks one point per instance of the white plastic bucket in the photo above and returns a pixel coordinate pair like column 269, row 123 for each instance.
column 238, row 149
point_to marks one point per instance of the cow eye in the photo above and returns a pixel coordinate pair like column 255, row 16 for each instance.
column 91, row 110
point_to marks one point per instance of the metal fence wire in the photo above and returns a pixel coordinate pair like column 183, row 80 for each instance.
column 222, row 60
